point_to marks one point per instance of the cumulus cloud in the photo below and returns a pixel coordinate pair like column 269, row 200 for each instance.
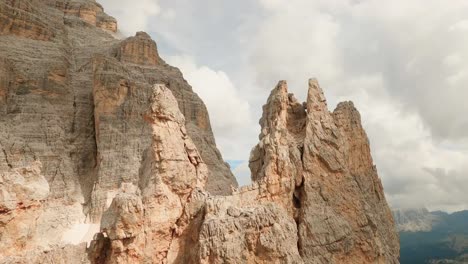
column 229, row 112
column 133, row 16
column 417, row 47
column 408, row 157
column 294, row 42
column 403, row 63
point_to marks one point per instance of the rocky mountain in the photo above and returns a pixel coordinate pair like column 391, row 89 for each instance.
column 458, row 260
column 432, row 237
column 107, row 156
column 414, row 220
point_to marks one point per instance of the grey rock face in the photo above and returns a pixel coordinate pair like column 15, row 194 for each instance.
column 334, row 193
column 101, row 138
column 72, row 97
column 316, row 198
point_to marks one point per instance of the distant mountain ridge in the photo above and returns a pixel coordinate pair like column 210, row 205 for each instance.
column 432, row 237
column 414, row 220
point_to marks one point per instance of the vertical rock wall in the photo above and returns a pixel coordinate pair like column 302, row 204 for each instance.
column 73, row 98
column 100, row 138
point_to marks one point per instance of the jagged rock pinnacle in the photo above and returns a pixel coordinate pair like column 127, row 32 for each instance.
column 103, row 142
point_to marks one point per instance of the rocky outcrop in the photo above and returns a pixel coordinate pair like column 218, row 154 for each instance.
column 22, row 192
column 26, row 19
column 101, row 139
column 87, row 11
column 74, row 99
column 342, row 191
column 172, row 169
column 316, row 198
column 140, row 49
column 336, row 195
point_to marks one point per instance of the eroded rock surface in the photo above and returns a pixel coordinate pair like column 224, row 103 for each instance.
column 316, row 197
column 74, row 99
column 101, row 139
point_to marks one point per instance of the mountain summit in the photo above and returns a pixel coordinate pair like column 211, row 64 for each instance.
column 107, row 156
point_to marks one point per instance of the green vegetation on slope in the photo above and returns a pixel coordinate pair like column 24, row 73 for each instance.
column 448, row 239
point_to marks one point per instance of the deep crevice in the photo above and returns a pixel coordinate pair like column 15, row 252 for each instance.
column 74, row 115
column 298, row 198
column 6, row 159
column 98, row 250
column 296, row 201
column 297, row 195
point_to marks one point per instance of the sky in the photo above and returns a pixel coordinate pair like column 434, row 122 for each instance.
column 404, row 64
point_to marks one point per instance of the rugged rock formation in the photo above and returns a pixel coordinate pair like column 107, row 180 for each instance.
column 73, row 99
column 316, row 198
column 23, row 190
column 338, row 199
column 140, row 49
column 101, row 139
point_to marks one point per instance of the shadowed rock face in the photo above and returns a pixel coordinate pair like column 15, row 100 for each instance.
column 100, row 137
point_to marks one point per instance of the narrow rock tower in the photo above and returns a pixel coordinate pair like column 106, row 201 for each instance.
column 107, row 156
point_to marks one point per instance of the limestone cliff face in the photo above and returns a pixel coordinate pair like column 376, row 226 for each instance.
column 73, row 103
column 316, row 198
column 102, row 140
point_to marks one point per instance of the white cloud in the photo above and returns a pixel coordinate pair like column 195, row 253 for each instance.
column 403, row 63
column 132, row 16
column 405, row 41
column 408, row 159
column 461, row 25
column 293, row 43
column 229, row 112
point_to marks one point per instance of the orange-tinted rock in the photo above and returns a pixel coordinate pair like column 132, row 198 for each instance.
column 22, row 193
column 23, row 18
column 170, row 171
column 317, row 166
column 340, row 206
column 316, row 196
column 126, row 144
column 70, row 104
column 88, row 11
column 107, row 23
column 140, row 49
